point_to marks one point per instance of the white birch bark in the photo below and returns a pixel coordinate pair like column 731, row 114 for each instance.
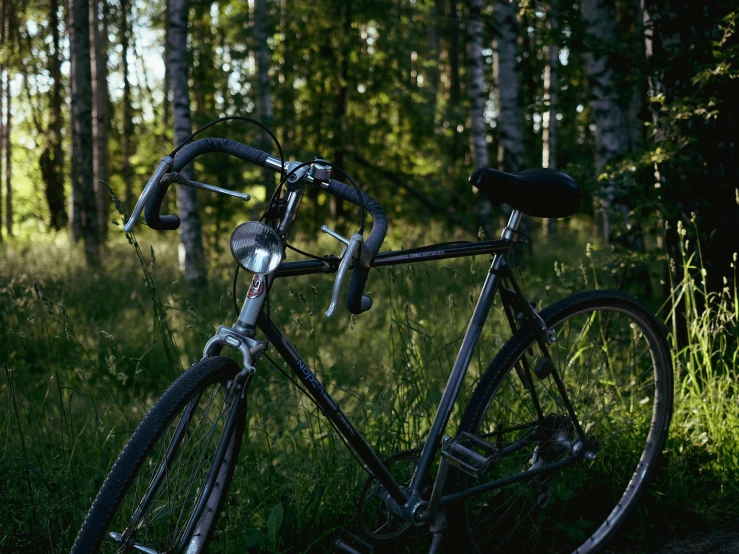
column 476, row 94
column 549, row 117
column 611, row 127
column 101, row 109
column 264, row 93
column 191, row 241
column 511, row 156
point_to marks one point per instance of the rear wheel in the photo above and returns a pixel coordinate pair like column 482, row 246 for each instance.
column 614, row 362
column 168, row 486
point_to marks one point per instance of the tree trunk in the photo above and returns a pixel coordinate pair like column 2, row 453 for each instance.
column 549, row 117
column 191, row 251
column 2, row 131
column 611, row 127
column 52, row 157
column 476, row 92
column 126, row 170
column 101, row 110
column 264, row 95
column 6, row 41
column 286, row 91
column 435, row 31
column 452, row 32
column 639, row 84
column 8, row 163
column 84, row 206
column 505, row 57
column 511, row 153
column 167, row 76
column 342, row 102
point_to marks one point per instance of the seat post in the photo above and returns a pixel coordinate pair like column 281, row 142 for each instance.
column 511, row 229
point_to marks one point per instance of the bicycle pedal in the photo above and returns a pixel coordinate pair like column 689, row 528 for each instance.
column 461, row 453
column 352, row 544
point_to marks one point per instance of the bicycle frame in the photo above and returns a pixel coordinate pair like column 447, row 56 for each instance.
column 406, row 503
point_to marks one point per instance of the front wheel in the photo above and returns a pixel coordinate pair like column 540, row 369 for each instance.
column 614, row 363
column 168, row 486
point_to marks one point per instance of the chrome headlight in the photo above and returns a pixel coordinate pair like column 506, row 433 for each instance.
column 256, row 247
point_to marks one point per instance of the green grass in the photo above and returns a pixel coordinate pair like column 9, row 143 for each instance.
column 84, row 355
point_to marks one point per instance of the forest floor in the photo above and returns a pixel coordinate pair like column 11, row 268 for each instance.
column 716, row 542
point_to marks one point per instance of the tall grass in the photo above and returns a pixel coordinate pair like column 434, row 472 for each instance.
column 87, row 356
column 704, row 336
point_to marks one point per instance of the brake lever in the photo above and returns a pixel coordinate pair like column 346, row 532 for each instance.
column 165, row 163
column 353, row 249
column 182, row 180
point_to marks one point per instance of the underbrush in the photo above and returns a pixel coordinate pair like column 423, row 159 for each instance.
column 85, row 355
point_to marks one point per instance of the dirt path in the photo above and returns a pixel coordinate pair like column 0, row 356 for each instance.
column 718, row 542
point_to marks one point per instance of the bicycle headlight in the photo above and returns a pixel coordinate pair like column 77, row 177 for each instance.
column 256, row 247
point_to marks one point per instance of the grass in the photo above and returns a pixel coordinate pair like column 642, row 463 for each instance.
column 85, row 355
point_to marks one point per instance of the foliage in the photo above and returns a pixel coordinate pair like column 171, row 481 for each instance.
column 84, row 371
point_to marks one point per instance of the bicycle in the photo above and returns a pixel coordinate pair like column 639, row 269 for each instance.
column 555, row 447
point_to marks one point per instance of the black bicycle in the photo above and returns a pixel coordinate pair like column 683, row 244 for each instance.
column 556, row 445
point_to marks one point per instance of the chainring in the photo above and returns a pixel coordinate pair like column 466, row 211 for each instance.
column 374, row 519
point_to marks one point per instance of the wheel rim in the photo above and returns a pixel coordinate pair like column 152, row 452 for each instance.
column 613, row 369
column 158, row 505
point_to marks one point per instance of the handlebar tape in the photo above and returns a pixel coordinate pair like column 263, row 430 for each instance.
column 187, row 154
column 356, row 302
column 204, row 146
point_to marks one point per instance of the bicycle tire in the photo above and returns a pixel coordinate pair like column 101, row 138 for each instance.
column 200, row 394
column 577, row 508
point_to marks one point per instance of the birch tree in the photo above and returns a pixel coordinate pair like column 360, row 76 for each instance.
column 101, row 109
column 127, row 170
column 511, row 151
column 476, row 93
column 8, row 161
column 611, row 126
column 84, row 205
column 191, row 251
column 2, row 136
column 508, row 86
column 549, row 117
column 264, row 95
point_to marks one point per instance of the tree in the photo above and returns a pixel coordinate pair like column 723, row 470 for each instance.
column 694, row 82
column 549, row 117
column 125, row 35
column 476, row 92
column 8, row 163
column 190, row 234
column 84, row 204
column 511, row 151
column 51, row 160
column 264, row 95
column 511, row 156
column 2, row 140
column 101, row 109
column 611, row 127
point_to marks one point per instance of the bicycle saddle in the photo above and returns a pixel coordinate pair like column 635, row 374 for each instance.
column 537, row 192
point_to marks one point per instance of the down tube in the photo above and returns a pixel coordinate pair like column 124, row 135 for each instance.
column 330, row 408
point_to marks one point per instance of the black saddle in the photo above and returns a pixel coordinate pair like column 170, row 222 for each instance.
column 537, row 192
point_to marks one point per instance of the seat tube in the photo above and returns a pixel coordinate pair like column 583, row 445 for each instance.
column 459, row 370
